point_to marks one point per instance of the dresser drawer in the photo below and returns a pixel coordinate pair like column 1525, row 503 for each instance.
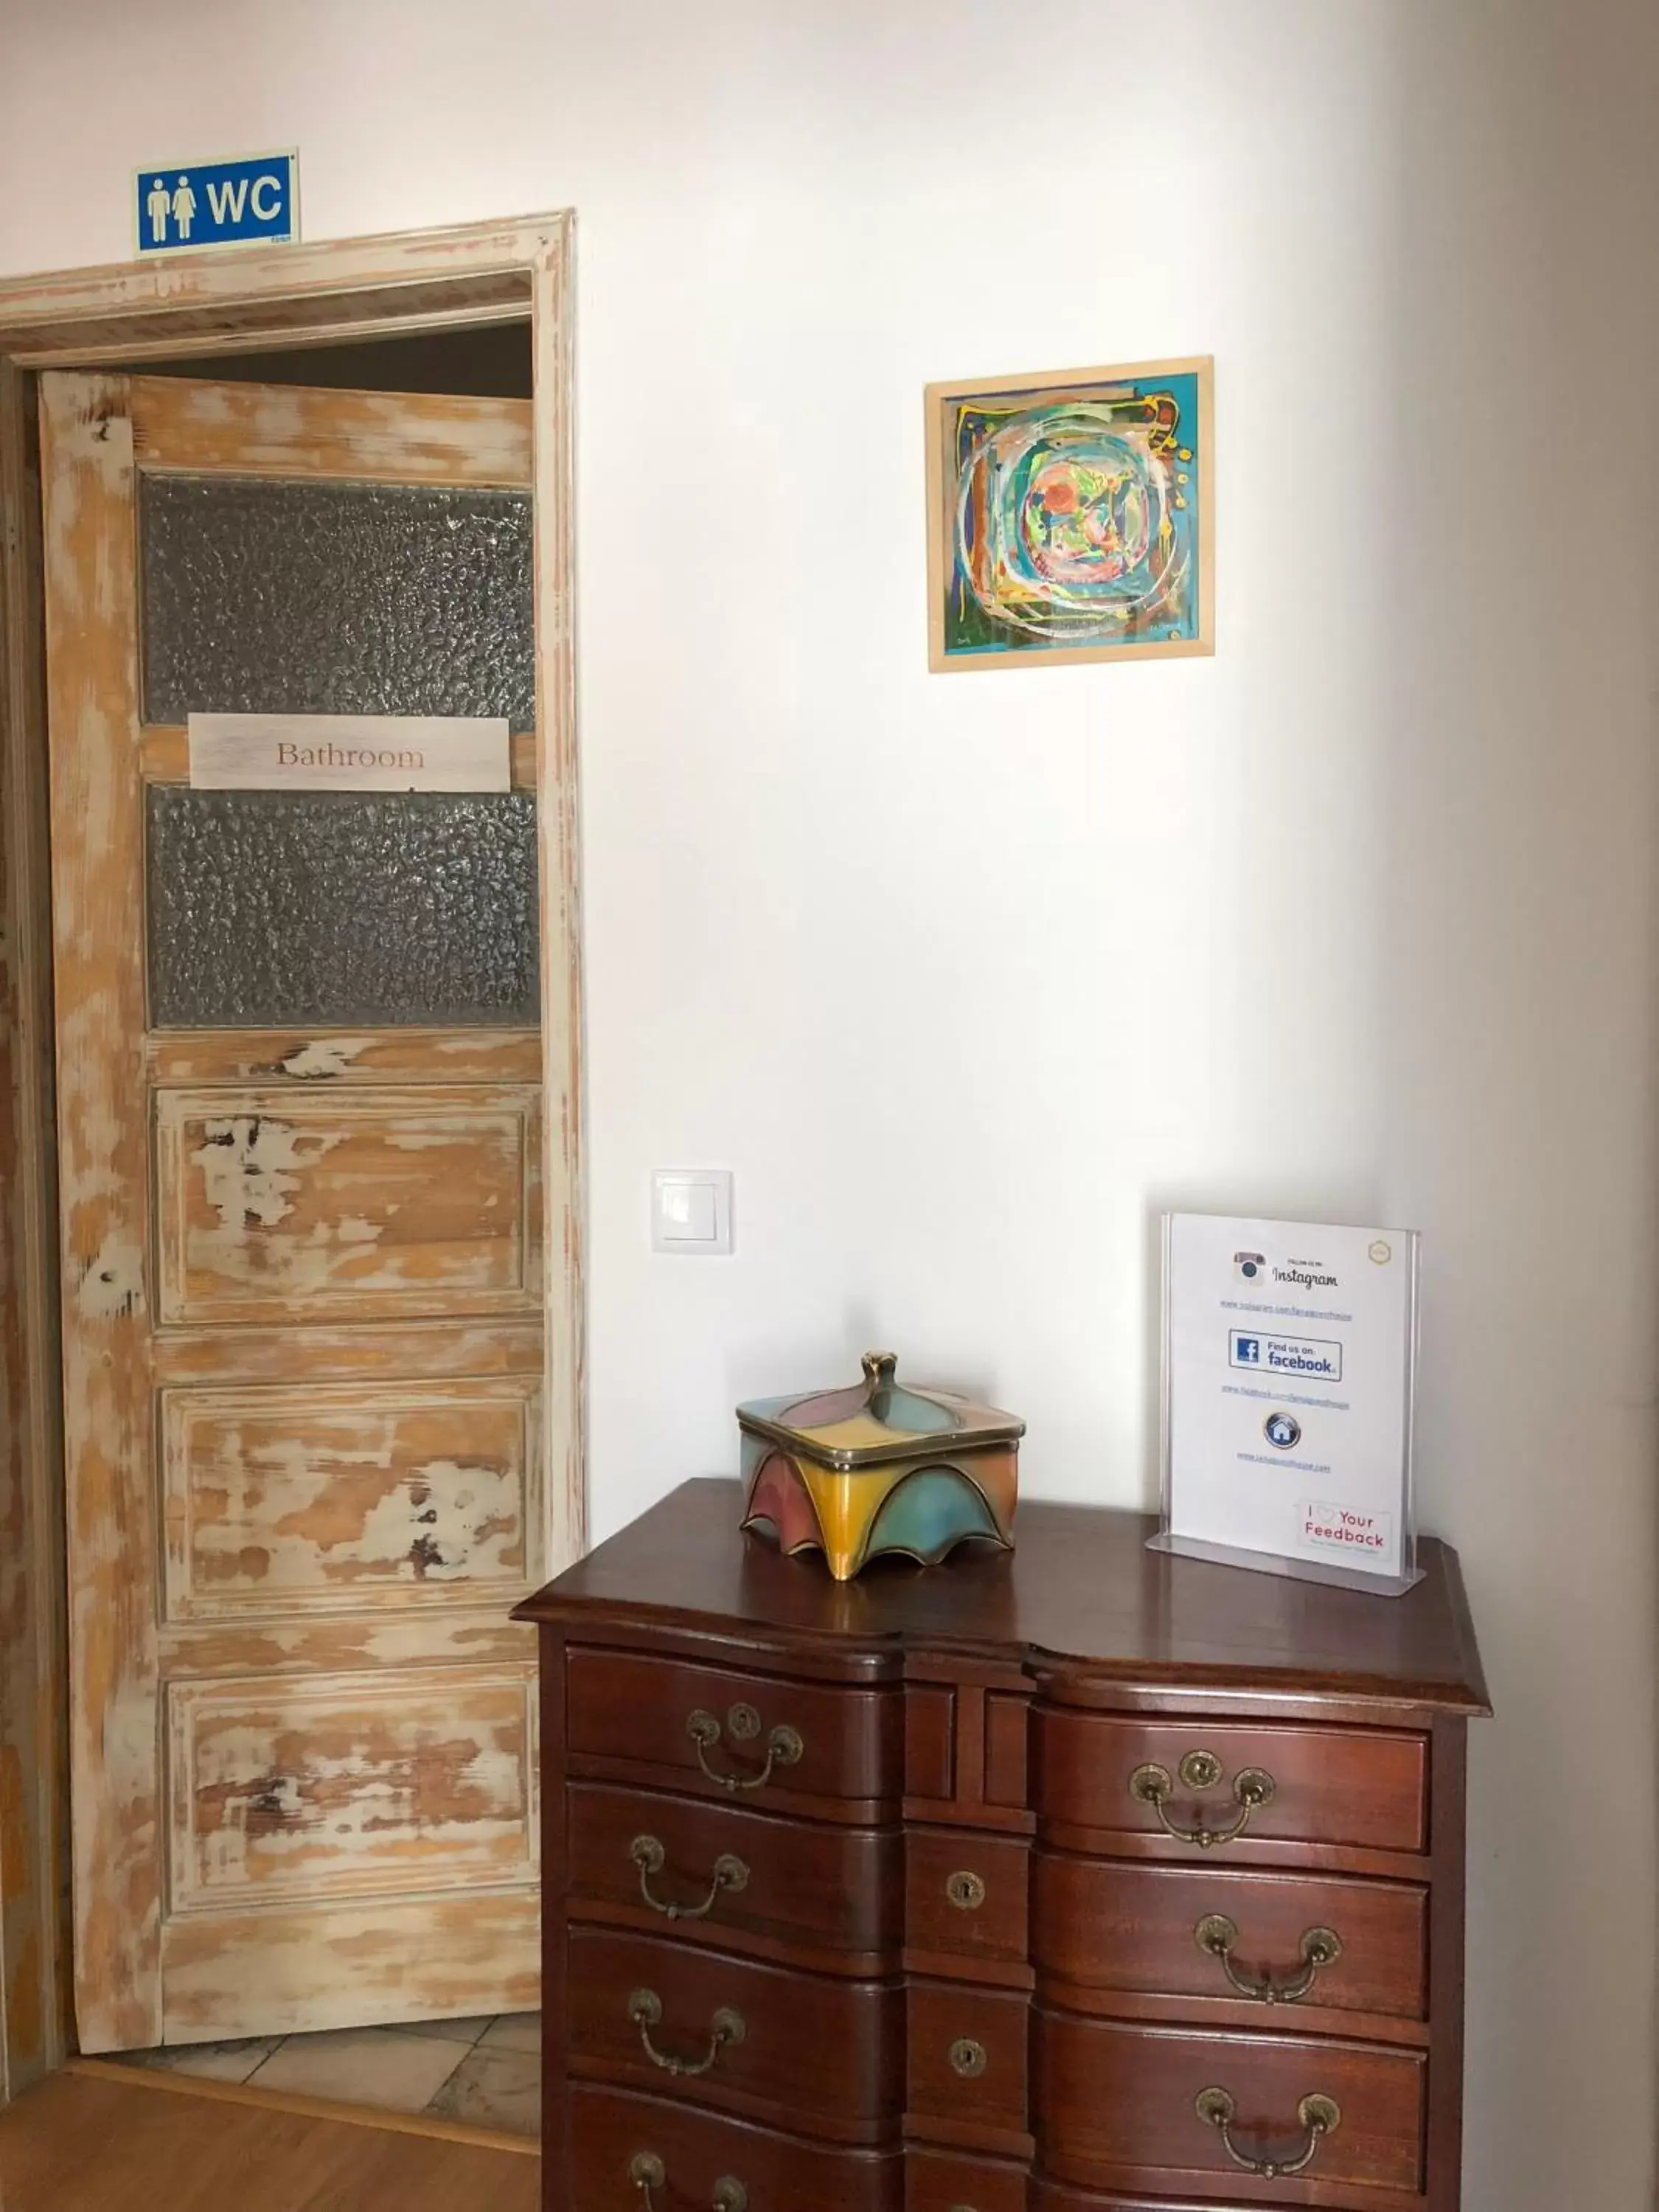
column 616, row 2138
column 752, row 1738
column 967, row 2059
column 721, row 1874
column 965, row 1894
column 1122, row 1925
column 1366, row 1787
column 939, row 2181
column 728, row 2032
column 1119, row 2105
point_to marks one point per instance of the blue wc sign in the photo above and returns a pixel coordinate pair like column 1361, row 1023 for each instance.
column 182, row 207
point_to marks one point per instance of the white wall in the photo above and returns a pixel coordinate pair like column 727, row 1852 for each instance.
column 967, row 976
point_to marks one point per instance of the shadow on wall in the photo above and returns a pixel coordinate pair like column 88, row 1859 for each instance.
column 1523, row 807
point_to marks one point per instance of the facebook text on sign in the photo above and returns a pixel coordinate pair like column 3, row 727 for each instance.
column 180, row 208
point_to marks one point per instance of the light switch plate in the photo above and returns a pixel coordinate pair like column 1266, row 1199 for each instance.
column 691, row 1210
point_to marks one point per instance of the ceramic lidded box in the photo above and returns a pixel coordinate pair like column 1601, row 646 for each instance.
column 878, row 1467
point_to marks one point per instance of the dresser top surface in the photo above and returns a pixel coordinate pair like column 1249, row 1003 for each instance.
column 1080, row 1585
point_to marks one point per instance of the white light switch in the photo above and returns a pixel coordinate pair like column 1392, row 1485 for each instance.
column 691, row 1210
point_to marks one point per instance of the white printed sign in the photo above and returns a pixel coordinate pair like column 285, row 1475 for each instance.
column 349, row 752
column 1289, row 1350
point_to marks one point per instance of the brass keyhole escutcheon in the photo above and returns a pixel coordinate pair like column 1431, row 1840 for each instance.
column 1200, row 1770
column 966, row 1891
column 968, row 2058
column 745, row 1723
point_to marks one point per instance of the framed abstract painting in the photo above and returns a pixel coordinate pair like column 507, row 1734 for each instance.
column 1070, row 516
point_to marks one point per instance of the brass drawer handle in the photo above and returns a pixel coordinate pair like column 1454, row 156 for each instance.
column 968, row 2058
column 649, row 2174
column 1200, row 1770
column 783, row 1745
column 1321, row 1946
column 1320, row 2116
column 966, row 1892
column 649, row 1857
column 645, row 2010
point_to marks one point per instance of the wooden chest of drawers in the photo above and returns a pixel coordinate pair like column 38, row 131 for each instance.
column 1088, row 1879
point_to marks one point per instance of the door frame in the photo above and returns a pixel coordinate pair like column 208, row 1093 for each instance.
column 209, row 304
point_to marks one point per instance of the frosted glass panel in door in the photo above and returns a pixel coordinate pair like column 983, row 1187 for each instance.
column 334, row 909
column 268, row 596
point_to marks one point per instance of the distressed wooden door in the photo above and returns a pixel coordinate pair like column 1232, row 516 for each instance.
column 298, row 1094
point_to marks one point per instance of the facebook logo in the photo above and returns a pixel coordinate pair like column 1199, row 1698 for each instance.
column 179, row 208
column 1313, row 1359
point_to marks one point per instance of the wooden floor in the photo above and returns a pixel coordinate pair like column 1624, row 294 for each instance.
column 88, row 2142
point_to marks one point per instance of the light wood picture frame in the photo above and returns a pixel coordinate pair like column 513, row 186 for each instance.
column 1071, row 516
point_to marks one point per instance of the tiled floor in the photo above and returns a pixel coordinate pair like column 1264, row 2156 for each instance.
column 486, row 2073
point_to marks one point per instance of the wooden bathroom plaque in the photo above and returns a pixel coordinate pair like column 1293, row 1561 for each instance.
column 349, row 752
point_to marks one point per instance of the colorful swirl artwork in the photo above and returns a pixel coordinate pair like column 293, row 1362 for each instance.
column 1075, row 517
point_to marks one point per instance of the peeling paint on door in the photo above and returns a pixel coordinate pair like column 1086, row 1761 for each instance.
column 328, row 1056
column 113, row 1286
column 249, row 1165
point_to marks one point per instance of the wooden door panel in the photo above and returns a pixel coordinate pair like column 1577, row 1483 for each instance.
column 326, row 1353
column 300, row 1643
column 274, row 1207
column 98, row 889
column 333, row 1787
column 299, row 1498
column 298, row 1967
column 190, row 1058
column 303, row 1334
column 291, row 430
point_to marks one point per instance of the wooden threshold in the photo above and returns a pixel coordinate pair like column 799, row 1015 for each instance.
column 308, row 2108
